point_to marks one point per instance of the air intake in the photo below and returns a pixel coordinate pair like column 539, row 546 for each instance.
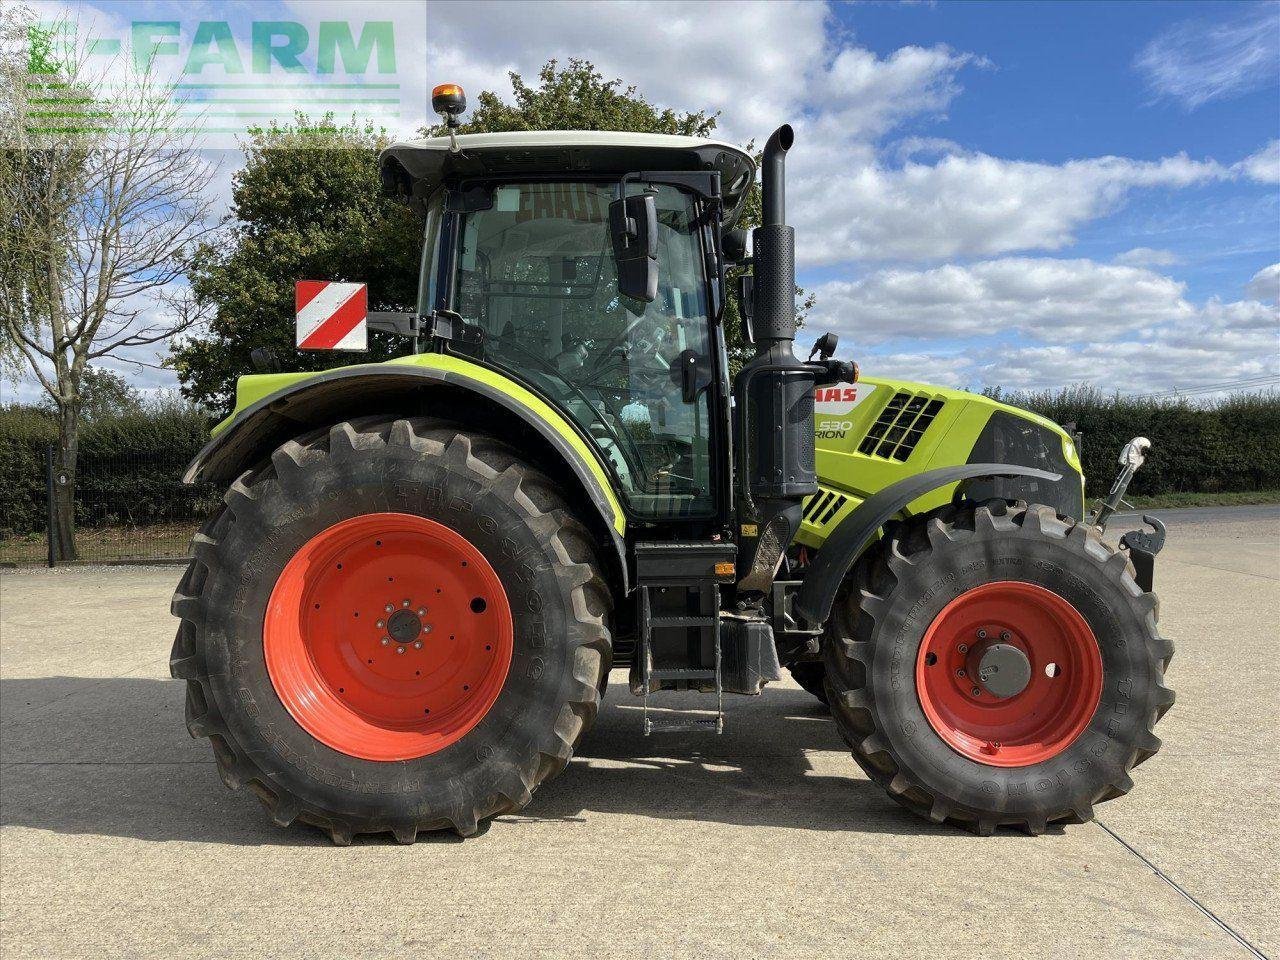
column 900, row 426
column 821, row 509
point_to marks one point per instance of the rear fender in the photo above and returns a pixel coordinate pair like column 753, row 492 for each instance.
column 841, row 550
column 429, row 385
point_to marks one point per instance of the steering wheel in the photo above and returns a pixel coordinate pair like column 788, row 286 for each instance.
column 607, row 350
column 552, row 369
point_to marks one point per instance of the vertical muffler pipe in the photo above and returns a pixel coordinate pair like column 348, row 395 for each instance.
column 773, row 392
column 774, row 244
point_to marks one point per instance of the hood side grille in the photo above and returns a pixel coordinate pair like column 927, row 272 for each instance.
column 822, row 507
column 900, row 426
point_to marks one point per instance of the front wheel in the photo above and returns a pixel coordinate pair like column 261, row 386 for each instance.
column 997, row 665
column 811, row 675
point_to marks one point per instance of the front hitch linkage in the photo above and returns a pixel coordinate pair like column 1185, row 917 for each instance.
column 1142, row 546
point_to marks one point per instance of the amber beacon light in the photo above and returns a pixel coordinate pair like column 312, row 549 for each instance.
column 449, row 100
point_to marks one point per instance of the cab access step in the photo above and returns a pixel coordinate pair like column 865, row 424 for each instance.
column 686, row 641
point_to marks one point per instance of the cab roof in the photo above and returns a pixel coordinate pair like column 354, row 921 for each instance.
column 418, row 167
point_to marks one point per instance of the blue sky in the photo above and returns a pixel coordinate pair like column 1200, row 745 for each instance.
column 1062, row 84
column 1024, row 194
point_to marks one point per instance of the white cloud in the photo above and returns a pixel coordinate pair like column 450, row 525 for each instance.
column 846, row 202
column 1220, row 356
column 1031, row 323
column 1198, row 61
column 862, row 95
column 954, row 370
column 1147, row 257
column 1126, row 367
column 914, row 148
column 759, row 64
column 1263, row 166
column 1053, row 300
column 1265, row 284
column 974, row 205
column 749, row 60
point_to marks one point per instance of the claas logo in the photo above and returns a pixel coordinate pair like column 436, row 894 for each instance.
column 558, row 201
column 833, row 394
column 840, row 398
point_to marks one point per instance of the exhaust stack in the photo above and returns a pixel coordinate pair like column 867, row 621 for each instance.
column 774, row 244
column 773, row 392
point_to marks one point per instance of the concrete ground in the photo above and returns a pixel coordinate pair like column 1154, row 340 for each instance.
column 118, row 838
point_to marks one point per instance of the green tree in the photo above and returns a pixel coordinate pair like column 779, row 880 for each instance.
column 307, row 205
column 99, row 212
column 105, row 394
column 577, row 97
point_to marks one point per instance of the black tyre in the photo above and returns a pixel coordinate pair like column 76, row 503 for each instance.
column 965, row 582
column 319, row 696
column 810, row 674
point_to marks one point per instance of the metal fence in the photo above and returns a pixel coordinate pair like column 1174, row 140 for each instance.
column 130, row 507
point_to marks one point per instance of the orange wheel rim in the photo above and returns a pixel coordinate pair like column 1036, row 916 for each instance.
column 1052, row 674
column 388, row 636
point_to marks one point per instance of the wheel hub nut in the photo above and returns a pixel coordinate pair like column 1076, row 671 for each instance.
column 404, row 626
column 1004, row 670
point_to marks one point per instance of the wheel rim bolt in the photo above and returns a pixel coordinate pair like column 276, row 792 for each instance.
column 963, row 648
column 388, row 608
column 427, row 628
column 381, row 624
column 959, row 673
column 399, row 649
column 976, row 692
column 422, row 611
column 404, row 603
column 982, row 634
column 417, row 644
column 386, row 641
column 1006, row 636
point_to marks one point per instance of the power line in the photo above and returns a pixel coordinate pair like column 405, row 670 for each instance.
column 1201, row 391
column 1220, row 383
column 1242, row 383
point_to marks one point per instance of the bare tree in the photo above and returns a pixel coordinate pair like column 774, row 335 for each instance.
column 104, row 199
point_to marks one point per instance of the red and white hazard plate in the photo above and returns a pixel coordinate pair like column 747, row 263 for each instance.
column 332, row 316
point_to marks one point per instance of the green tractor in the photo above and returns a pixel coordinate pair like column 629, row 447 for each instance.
column 404, row 615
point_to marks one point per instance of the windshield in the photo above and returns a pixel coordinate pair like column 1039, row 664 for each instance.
column 536, row 272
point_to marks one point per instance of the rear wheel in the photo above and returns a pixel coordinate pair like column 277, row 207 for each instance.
column 394, row 626
column 997, row 665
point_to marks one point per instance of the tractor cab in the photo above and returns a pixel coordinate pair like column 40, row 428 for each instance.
column 520, row 270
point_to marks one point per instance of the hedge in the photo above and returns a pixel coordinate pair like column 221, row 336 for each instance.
column 129, row 470
column 1232, row 444
column 131, row 465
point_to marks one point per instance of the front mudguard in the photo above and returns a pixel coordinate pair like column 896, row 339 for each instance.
column 833, row 562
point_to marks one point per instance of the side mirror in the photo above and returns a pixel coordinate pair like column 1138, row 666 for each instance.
column 746, row 304
column 264, row 360
column 824, row 347
column 633, row 228
column 733, row 243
